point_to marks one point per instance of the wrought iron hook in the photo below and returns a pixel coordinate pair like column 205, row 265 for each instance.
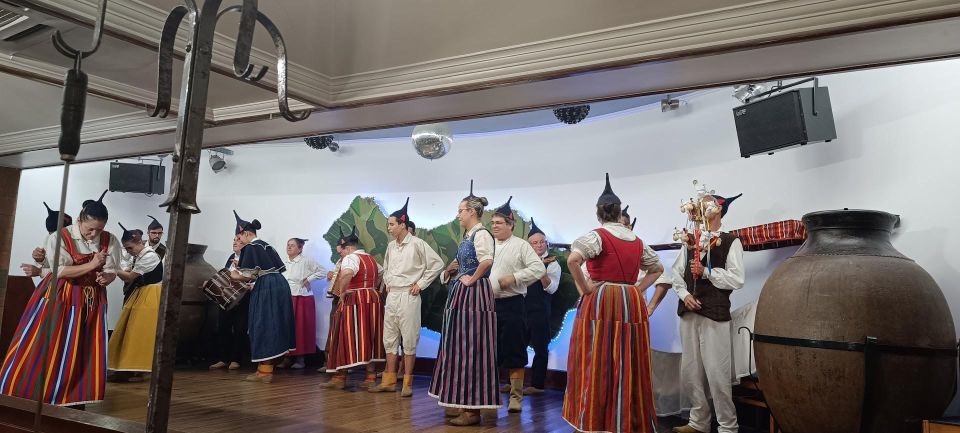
column 168, row 38
column 281, row 48
column 64, row 48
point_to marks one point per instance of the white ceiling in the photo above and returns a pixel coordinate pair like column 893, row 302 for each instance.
column 371, row 64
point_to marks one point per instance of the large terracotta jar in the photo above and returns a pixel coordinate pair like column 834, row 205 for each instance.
column 193, row 306
column 847, row 282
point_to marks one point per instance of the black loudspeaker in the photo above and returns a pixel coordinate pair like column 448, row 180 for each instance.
column 141, row 178
column 792, row 118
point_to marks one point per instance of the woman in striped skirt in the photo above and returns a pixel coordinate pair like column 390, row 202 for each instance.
column 356, row 338
column 68, row 366
column 465, row 375
column 609, row 376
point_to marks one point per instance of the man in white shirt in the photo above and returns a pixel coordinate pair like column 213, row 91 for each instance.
column 410, row 265
column 515, row 266
column 537, row 303
column 703, row 285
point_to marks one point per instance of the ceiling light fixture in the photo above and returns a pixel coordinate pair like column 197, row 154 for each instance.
column 744, row 92
column 572, row 114
column 321, row 142
column 669, row 104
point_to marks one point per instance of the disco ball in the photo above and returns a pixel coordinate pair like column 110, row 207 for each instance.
column 433, row 140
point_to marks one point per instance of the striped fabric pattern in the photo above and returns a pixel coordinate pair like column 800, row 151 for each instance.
column 773, row 235
column 609, row 377
column 358, row 338
column 465, row 374
column 75, row 358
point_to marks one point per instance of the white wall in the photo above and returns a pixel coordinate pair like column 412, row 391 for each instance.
column 897, row 151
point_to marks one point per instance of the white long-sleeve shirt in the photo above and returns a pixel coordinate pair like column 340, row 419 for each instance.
column 515, row 257
column 553, row 271
column 730, row 277
column 302, row 268
column 410, row 261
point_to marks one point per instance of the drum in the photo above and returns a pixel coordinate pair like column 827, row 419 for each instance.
column 223, row 291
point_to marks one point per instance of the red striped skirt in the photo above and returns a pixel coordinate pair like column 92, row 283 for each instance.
column 465, row 375
column 75, row 358
column 357, row 336
column 609, row 369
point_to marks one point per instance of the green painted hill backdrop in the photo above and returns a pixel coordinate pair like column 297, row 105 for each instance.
column 371, row 223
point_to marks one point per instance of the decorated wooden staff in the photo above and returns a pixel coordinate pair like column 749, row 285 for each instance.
column 181, row 204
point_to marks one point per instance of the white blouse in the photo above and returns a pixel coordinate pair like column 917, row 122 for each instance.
column 302, row 268
column 84, row 247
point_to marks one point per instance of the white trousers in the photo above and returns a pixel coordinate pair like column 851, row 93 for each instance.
column 401, row 321
column 705, row 366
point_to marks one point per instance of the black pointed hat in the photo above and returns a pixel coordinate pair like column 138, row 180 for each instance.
column 245, row 226
column 401, row 215
column 633, row 223
column 534, row 229
column 505, row 210
column 623, row 212
column 608, row 197
column 725, row 202
column 95, row 208
column 471, row 190
column 51, row 221
column 154, row 224
column 350, row 239
column 129, row 235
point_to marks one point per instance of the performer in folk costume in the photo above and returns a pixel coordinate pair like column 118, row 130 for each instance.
column 234, row 342
column 40, row 265
column 334, row 304
column 131, row 345
column 516, row 266
column 537, row 303
column 410, row 265
column 706, row 271
column 609, row 380
column 301, row 272
column 358, row 333
column 465, row 374
column 270, row 323
column 68, row 365
column 154, row 233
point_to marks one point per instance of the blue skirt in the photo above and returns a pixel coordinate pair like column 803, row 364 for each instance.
column 271, row 325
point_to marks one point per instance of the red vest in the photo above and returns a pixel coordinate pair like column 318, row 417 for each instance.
column 90, row 278
column 366, row 276
column 618, row 262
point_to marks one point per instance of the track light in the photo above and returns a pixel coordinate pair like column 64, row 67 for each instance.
column 744, row 92
column 669, row 104
column 217, row 163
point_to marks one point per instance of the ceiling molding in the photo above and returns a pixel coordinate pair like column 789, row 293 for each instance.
column 254, row 110
column 106, row 128
column 759, row 22
column 139, row 20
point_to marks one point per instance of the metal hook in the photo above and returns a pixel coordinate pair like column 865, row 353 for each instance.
column 165, row 56
column 64, row 48
column 281, row 48
column 750, row 352
column 242, row 67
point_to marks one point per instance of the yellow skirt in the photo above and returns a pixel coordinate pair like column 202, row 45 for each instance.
column 131, row 344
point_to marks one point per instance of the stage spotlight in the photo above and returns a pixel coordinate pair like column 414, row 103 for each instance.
column 744, row 92
column 217, row 163
column 320, row 142
column 669, row 104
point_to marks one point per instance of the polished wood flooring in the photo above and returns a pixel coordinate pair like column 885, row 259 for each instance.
column 220, row 401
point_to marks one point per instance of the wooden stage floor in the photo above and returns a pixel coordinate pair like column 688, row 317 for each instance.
column 220, row 401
